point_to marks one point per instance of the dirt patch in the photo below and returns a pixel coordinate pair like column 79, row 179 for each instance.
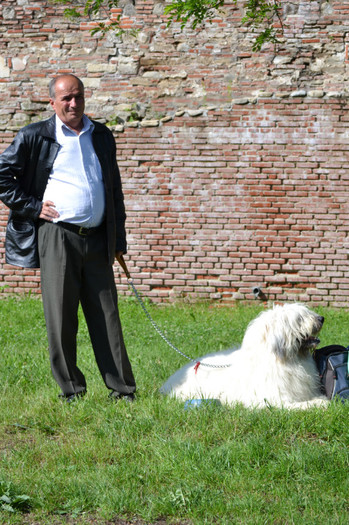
column 28, row 519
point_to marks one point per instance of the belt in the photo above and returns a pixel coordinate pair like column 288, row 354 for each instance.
column 80, row 230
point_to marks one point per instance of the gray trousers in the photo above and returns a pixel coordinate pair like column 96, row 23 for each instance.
column 74, row 269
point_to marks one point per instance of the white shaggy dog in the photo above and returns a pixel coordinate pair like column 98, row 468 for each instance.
column 273, row 367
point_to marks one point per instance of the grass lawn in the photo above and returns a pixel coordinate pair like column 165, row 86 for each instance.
column 152, row 461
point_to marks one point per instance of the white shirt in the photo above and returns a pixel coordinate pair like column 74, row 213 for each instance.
column 75, row 184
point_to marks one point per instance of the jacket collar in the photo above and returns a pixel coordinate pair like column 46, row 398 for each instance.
column 49, row 127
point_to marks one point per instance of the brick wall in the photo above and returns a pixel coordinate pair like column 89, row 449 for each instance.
column 234, row 164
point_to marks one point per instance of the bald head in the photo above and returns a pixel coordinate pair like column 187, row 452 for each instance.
column 54, row 81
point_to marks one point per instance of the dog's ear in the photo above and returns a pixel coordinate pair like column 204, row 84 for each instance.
column 280, row 342
column 279, row 348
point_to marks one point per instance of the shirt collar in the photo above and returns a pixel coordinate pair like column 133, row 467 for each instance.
column 87, row 124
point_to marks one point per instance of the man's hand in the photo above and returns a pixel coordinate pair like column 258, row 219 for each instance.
column 48, row 212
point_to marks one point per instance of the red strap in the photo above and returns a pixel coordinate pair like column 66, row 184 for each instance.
column 196, row 366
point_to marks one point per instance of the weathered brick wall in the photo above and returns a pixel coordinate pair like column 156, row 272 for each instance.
column 234, row 163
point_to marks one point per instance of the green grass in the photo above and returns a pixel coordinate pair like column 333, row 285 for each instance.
column 94, row 461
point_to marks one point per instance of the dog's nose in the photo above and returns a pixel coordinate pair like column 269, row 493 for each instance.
column 321, row 319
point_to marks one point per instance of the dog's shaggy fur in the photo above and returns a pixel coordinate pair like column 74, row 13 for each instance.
column 273, row 367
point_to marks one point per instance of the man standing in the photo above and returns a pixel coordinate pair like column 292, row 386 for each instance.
column 60, row 179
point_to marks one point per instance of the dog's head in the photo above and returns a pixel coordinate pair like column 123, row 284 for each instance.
column 289, row 331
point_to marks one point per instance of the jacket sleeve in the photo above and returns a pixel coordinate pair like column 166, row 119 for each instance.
column 120, row 214
column 105, row 148
column 14, row 183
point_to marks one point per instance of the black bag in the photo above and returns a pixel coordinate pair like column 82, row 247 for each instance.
column 332, row 364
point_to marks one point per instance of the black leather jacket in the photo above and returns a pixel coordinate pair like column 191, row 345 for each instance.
column 25, row 167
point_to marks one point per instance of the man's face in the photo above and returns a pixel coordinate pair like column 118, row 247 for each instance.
column 69, row 102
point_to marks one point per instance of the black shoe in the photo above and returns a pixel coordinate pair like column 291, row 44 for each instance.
column 69, row 398
column 117, row 396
